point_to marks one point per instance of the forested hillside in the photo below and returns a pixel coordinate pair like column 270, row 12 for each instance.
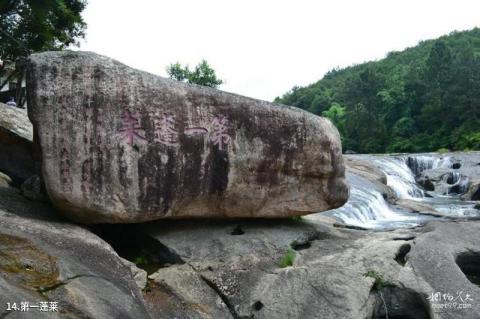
column 425, row 98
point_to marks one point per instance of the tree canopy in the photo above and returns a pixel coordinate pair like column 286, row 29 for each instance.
column 421, row 99
column 39, row 25
column 28, row 26
column 203, row 74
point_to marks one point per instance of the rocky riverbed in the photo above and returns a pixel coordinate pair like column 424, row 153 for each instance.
column 404, row 245
column 234, row 269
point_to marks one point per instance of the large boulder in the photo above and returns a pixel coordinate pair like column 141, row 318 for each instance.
column 122, row 145
column 16, row 135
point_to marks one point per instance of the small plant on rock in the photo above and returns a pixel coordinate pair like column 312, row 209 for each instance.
column 379, row 280
column 287, row 259
column 378, row 285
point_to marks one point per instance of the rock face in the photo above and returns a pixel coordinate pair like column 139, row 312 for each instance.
column 453, row 249
column 45, row 258
column 16, row 136
column 121, row 145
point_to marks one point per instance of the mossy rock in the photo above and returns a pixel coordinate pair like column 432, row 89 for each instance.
column 24, row 263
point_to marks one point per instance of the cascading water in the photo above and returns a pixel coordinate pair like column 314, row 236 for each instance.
column 457, row 184
column 399, row 176
column 367, row 208
column 420, row 163
column 401, row 172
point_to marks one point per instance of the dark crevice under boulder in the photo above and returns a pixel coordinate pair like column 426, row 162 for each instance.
column 134, row 245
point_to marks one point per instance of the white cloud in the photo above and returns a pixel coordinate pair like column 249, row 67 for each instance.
column 262, row 48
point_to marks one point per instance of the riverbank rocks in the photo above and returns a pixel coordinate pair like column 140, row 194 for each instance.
column 122, row 145
column 334, row 272
column 446, row 174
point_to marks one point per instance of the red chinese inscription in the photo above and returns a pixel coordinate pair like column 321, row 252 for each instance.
column 165, row 132
column 131, row 127
column 219, row 134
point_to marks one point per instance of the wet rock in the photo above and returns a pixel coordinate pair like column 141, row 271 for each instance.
column 364, row 168
column 419, row 207
column 361, row 167
column 121, row 145
column 47, row 259
column 454, row 173
column 473, row 192
column 16, row 135
column 426, row 183
column 444, row 181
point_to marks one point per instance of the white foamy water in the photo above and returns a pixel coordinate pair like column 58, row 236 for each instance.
column 367, row 208
column 399, row 177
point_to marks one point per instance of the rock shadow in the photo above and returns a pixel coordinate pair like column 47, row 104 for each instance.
column 394, row 302
column 469, row 263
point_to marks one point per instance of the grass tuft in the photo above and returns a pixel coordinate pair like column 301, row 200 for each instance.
column 287, row 259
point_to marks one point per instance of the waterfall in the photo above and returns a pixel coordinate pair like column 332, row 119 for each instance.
column 367, row 208
column 399, row 176
column 420, row 163
column 401, row 172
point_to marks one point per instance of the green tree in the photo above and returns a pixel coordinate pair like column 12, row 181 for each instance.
column 438, row 74
column 177, row 72
column 336, row 113
column 203, row 74
column 28, row 26
column 321, row 102
column 421, row 99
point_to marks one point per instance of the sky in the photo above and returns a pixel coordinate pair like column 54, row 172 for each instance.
column 262, row 48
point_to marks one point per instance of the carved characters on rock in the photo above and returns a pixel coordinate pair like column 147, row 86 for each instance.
column 121, row 145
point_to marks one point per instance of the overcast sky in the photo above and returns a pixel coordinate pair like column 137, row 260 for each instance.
column 263, row 48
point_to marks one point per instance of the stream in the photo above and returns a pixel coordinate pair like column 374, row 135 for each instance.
column 367, row 208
